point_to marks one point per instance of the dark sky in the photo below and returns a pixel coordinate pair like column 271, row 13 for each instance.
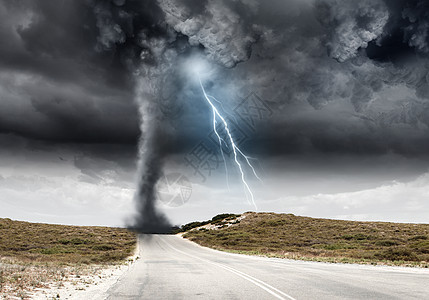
column 332, row 79
column 63, row 79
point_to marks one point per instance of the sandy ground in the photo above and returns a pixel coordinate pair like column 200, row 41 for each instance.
column 91, row 286
column 79, row 283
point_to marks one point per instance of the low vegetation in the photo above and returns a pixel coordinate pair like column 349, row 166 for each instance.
column 216, row 220
column 290, row 236
column 36, row 255
column 34, row 242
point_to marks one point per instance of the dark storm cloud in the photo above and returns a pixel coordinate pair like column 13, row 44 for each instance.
column 54, row 85
column 351, row 25
column 223, row 28
column 367, row 87
column 97, row 161
column 341, row 76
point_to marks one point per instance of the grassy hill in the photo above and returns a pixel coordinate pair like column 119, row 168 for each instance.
column 34, row 256
column 34, row 242
column 290, row 236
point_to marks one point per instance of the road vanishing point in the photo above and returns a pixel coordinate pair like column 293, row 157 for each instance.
column 171, row 267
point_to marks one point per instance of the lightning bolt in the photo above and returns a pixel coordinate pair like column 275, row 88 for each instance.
column 236, row 150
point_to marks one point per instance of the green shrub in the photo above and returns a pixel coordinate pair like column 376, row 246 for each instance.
column 192, row 225
column 347, row 237
column 397, row 254
column 357, row 237
column 333, row 246
column 50, row 251
column 386, row 243
column 275, row 222
column 418, row 237
column 74, row 241
column 361, row 237
column 422, row 247
column 221, row 217
column 103, row 247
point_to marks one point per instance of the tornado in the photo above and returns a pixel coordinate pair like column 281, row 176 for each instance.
column 148, row 38
column 153, row 153
column 153, row 144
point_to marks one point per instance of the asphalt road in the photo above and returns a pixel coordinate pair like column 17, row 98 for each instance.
column 173, row 268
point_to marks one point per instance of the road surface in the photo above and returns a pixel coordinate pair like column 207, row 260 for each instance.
column 173, row 268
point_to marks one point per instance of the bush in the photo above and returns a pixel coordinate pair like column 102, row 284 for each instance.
column 103, row 247
column 74, row 241
column 275, row 222
column 216, row 220
column 192, row 225
column 358, row 237
column 50, row 251
column 386, row 243
column 422, row 247
column 418, row 237
column 397, row 254
column 221, row 217
column 333, row 246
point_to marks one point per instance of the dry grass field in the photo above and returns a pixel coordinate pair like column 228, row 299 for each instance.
column 34, row 255
column 289, row 236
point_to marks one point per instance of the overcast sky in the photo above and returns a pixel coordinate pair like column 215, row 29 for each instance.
column 329, row 98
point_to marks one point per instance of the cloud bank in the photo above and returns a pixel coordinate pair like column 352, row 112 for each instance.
column 342, row 77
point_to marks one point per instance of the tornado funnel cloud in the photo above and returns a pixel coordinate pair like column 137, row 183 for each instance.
column 149, row 219
column 153, row 151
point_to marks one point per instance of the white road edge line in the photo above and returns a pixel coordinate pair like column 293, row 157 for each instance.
column 271, row 287
column 265, row 286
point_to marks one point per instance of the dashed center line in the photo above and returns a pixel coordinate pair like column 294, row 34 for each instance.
column 261, row 284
